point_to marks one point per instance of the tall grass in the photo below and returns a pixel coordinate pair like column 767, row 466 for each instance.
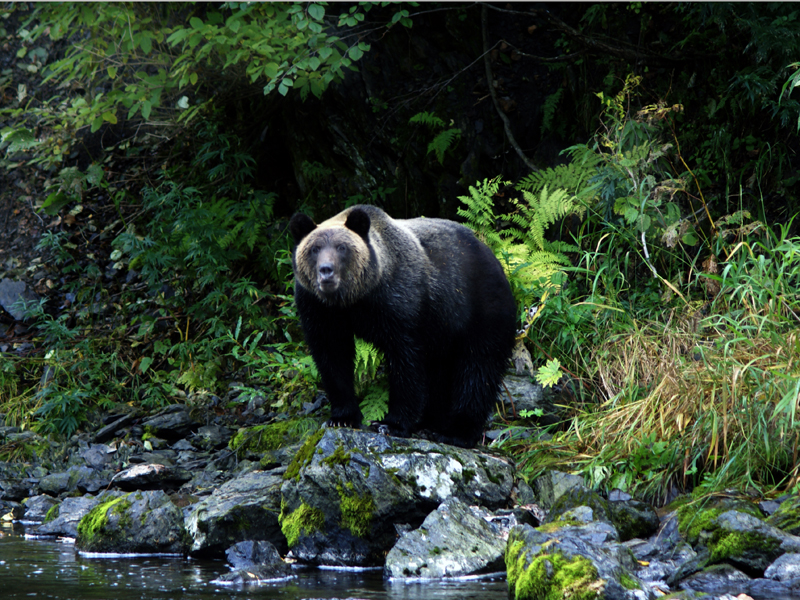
column 703, row 395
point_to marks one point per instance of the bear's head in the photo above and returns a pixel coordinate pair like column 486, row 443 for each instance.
column 334, row 260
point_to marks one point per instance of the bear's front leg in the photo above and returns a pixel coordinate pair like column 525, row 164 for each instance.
column 332, row 346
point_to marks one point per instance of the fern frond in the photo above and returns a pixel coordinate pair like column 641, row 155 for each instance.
column 427, row 118
column 549, row 109
column 442, row 142
column 478, row 210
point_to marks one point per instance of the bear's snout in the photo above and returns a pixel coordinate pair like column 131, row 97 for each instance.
column 327, row 280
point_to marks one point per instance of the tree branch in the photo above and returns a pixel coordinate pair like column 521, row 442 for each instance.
column 490, row 81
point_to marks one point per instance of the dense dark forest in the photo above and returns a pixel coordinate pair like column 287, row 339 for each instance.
column 633, row 165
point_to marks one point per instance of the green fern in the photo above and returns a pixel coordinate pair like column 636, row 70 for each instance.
column 549, row 109
column 429, row 119
column 574, row 177
column 529, row 260
column 368, row 359
column 374, row 391
column 442, row 143
column 444, row 140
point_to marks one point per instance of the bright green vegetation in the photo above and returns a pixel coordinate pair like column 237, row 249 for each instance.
column 357, row 510
column 303, row 456
column 52, row 513
column 550, row 576
column 92, row 526
column 723, row 544
column 339, row 456
column 302, row 521
column 263, row 438
column 787, row 517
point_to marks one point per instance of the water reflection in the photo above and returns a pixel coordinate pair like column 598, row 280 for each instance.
column 54, row 570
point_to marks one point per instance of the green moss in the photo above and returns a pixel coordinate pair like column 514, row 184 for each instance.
column 468, row 475
column 628, row 582
column 696, row 523
column 52, row 514
column 303, row 456
column 550, row 576
column 265, row 438
column 787, row 517
column 339, row 456
column 92, row 525
column 559, row 523
column 730, row 544
column 357, row 511
column 693, row 521
column 303, row 521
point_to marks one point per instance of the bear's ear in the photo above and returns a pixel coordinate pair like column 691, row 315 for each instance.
column 300, row 226
column 358, row 222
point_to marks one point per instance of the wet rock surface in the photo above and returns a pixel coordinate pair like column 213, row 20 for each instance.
column 455, row 540
column 253, row 563
column 418, row 509
column 345, row 493
column 140, row 522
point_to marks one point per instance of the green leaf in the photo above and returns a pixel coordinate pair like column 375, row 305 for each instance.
column 146, row 108
column 271, row 70
column 316, row 11
column 112, row 72
column 145, row 43
column 356, row 53
column 145, row 364
column 549, row 374
column 110, row 116
column 233, row 23
column 54, row 202
column 19, row 139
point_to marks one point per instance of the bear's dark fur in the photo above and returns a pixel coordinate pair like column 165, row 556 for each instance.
column 426, row 292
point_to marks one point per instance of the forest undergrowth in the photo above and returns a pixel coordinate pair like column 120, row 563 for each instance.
column 656, row 279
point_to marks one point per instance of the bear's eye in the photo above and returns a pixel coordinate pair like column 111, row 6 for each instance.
column 342, row 248
column 315, row 249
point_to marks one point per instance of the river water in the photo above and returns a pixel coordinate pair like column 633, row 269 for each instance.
column 55, row 570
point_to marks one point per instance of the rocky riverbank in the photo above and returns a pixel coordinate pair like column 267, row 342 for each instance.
column 357, row 499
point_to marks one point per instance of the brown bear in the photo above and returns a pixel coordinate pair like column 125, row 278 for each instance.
column 428, row 294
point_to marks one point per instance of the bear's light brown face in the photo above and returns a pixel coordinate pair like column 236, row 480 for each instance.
column 330, row 262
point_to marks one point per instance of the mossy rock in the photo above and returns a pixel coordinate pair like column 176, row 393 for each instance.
column 787, row 517
column 262, row 439
column 580, row 496
column 740, row 538
column 560, row 566
column 139, row 522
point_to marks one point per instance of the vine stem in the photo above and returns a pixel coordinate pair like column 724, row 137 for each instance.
column 490, row 81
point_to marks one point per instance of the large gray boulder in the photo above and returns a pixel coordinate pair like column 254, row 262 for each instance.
column 244, row 508
column 139, row 523
column 455, row 540
column 346, row 490
column 62, row 520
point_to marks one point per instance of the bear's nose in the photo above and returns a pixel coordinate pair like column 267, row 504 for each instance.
column 326, row 271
